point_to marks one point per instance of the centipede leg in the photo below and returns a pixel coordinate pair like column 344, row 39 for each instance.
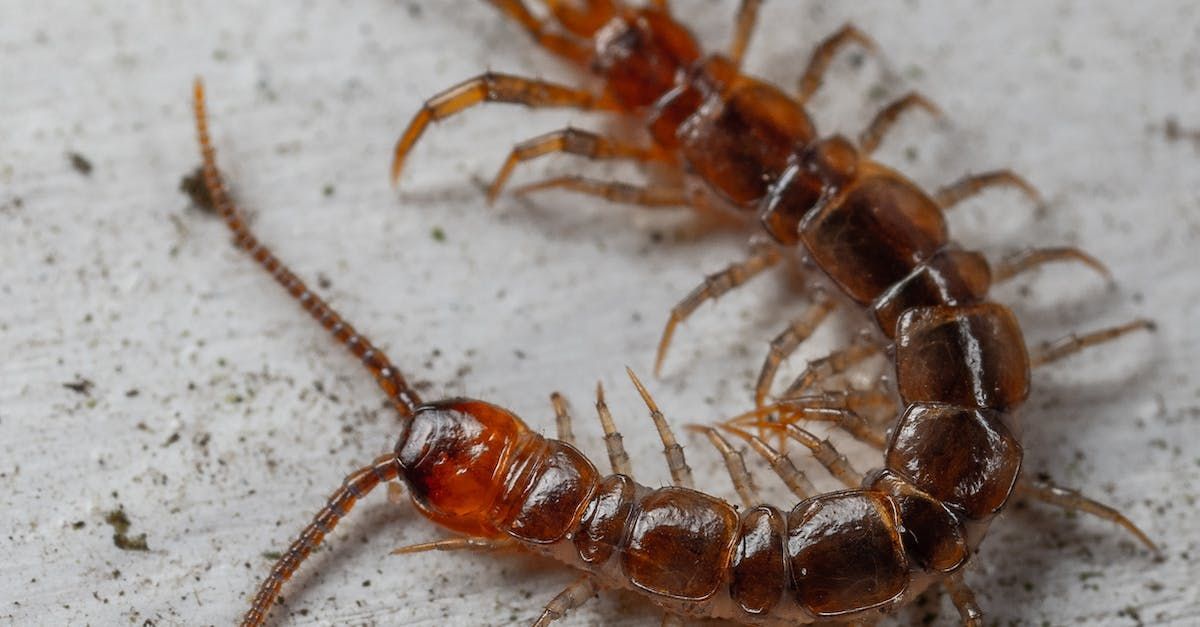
column 613, row 442
column 843, row 410
column 646, row 196
column 681, row 473
column 883, row 122
column 1072, row 500
column 747, row 18
column 971, row 185
column 454, row 544
column 783, row 467
column 491, row 87
column 571, row 597
column 762, row 257
column 829, row 457
column 822, row 369
column 964, row 600
column 574, row 142
column 1026, row 260
column 1073, row 343
column 814, row 74
column 558, row 44
column 786, row 343
column 356, row 485
column 562, row 418
column 743, row 482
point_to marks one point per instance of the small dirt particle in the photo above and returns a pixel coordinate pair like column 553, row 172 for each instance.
column 80, row 163
column 80, row 386
column 192, row 185
column 120, row 524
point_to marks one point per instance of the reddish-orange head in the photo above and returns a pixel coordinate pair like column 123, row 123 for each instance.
column 454, row 456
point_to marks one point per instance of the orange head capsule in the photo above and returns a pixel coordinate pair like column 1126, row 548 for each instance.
column 454, row 455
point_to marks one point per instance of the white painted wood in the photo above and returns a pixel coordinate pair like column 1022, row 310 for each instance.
column 219, row 417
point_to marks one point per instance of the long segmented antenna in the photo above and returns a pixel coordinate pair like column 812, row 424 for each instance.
column 402, row 397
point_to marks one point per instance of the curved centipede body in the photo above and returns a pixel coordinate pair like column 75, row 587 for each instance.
column 951, row 464
column 952, row 456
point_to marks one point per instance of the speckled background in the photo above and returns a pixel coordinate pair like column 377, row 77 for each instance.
column 151, row 372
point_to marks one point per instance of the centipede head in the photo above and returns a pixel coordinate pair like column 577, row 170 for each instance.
column 452, row 454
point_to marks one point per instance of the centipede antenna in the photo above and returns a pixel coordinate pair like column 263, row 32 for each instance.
column 389, row 378
column 681, row 474
column 613, row 442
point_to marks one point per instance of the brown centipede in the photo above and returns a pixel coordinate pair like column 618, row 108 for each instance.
column 477, row 470
column 756, row 151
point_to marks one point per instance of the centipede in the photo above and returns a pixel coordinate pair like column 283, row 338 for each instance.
column 952, row 455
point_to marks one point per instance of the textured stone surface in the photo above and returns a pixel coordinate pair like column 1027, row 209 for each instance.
column 151, row 368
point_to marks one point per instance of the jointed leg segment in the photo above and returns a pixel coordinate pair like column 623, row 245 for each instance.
column 681, row 474
column 1073, row 343
column 491, row 87
column 573, row 596
column 823, row 54
column 873, row 135
column 972, row 185
column 576, row 142
column 1072, row 500
column 762, row 257
column 786, row 343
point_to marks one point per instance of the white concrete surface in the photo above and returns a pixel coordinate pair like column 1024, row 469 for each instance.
column 218, row 416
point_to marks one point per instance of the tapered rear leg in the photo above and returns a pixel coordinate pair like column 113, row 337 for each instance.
column 613, row 442
column 964, row 600
column 566, row 47
column 573, row 596
column 492, row 87
column 782, row 465
column 743, row 483
column 786, row 343
column 1073, row 343
column 763, row 256
column 681, row 474
column 814, row 74
column 1026, row 260
column 562, row 418
column 1072, row 500
column 971, row 185
column 873, row 135
column 821, row 370
column 575, row 142
column 455, row 544
column 747, row 19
